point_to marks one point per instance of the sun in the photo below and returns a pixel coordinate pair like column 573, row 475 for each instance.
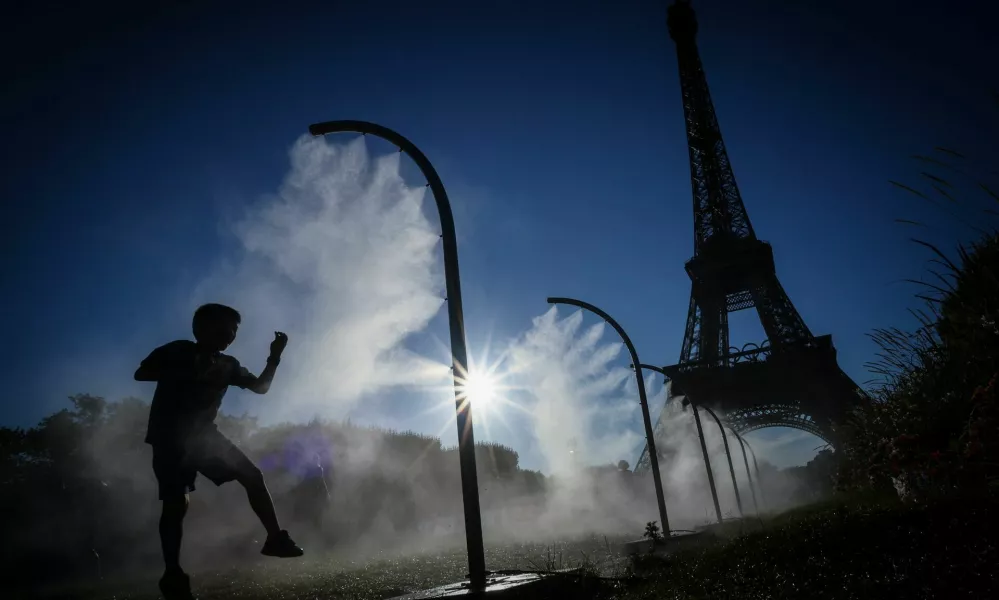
column 484, row 389
column 480, row 388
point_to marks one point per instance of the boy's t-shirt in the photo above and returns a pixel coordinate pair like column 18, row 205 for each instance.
column 183, row 407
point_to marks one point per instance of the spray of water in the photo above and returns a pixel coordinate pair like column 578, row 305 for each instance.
column 578, row 392
column 343, row 259
column 585, row 401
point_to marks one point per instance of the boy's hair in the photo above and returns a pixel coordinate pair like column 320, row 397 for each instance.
column 213, row 313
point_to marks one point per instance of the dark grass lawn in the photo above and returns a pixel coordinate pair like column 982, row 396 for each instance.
column 844, row 550
column 341, row 577
column 857, row 549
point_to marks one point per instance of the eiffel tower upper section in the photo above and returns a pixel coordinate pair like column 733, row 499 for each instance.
column 792, row 378
column 731, row 269
column 719, row 212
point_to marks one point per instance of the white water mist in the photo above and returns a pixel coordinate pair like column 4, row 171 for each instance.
column 579, row 400
column 584, row 394
column 343, row 259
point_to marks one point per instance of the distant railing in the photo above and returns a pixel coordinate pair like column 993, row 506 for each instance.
column 749, row 353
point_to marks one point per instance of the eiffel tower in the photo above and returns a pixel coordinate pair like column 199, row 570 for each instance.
column 791, row 379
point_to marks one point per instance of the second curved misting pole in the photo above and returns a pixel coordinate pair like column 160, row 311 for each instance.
column 700, row 437
column 759, row 480
column 749, row 474
column 728, row 455
column 456, row 321
column 649, row 437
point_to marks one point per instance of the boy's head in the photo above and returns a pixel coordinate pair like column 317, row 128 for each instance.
column 215, row 326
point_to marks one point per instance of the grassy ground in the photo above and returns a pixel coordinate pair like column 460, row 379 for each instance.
column 342, row 578
column 865, row 549
column 843, row 550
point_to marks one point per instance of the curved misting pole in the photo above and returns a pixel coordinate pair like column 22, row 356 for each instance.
column 759, row 481
column 749, row 474
column 456, row 320
column 643, row 400
column 707, row 462
column 728, row 455
column 700, row 437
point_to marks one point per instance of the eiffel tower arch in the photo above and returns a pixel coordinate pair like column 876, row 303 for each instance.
column 792, row 378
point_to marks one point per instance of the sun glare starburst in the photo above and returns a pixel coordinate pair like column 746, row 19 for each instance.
column 485, row 388
column 481, row 389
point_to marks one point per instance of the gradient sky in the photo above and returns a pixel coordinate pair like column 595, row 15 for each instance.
column 134, row 135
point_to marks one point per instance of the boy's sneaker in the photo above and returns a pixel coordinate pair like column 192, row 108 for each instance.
column 282, row 546
column 176, row 585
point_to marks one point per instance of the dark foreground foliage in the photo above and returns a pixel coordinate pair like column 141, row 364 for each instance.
column 929, row 425
column 949, row 549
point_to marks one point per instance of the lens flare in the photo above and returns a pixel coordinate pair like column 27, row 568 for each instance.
column 481, row 389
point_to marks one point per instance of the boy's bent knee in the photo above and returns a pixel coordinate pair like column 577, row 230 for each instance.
column 250, row 476
column 176, row 505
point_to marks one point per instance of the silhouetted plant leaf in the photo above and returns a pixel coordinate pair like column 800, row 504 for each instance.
column 937, row 251
column 932, row 160
column 932, row 177
column 944, row 193
column 909, row 189
column 949, row 151
column 989, row 191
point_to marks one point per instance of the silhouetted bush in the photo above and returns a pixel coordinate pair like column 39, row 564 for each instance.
column 929, row 427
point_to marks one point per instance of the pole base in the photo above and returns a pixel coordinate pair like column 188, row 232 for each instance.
column 525, row 586
column 676, row 541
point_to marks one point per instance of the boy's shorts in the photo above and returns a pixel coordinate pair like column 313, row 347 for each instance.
column 209, row 453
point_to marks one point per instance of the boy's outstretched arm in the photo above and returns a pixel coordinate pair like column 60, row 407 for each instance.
column 262, row 383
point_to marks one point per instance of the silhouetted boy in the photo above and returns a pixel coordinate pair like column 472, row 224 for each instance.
column 191, row 379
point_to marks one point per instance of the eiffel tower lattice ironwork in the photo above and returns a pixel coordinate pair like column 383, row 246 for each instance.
column 792, row 379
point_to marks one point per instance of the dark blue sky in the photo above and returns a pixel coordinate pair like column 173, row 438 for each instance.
column 134, row 135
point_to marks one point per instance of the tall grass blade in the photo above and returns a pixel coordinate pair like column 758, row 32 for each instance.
column 949, row 151
column 944, row 193
column 937, row 251
column 989, row 191
column 939, row 180
column 909, row 189
column 932, row 161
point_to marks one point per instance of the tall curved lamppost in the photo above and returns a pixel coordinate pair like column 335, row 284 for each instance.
column 649, row 437
column 749, row 474
column 700, row 437
column 728, row 455
column 759, row 480
column 456, row 321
